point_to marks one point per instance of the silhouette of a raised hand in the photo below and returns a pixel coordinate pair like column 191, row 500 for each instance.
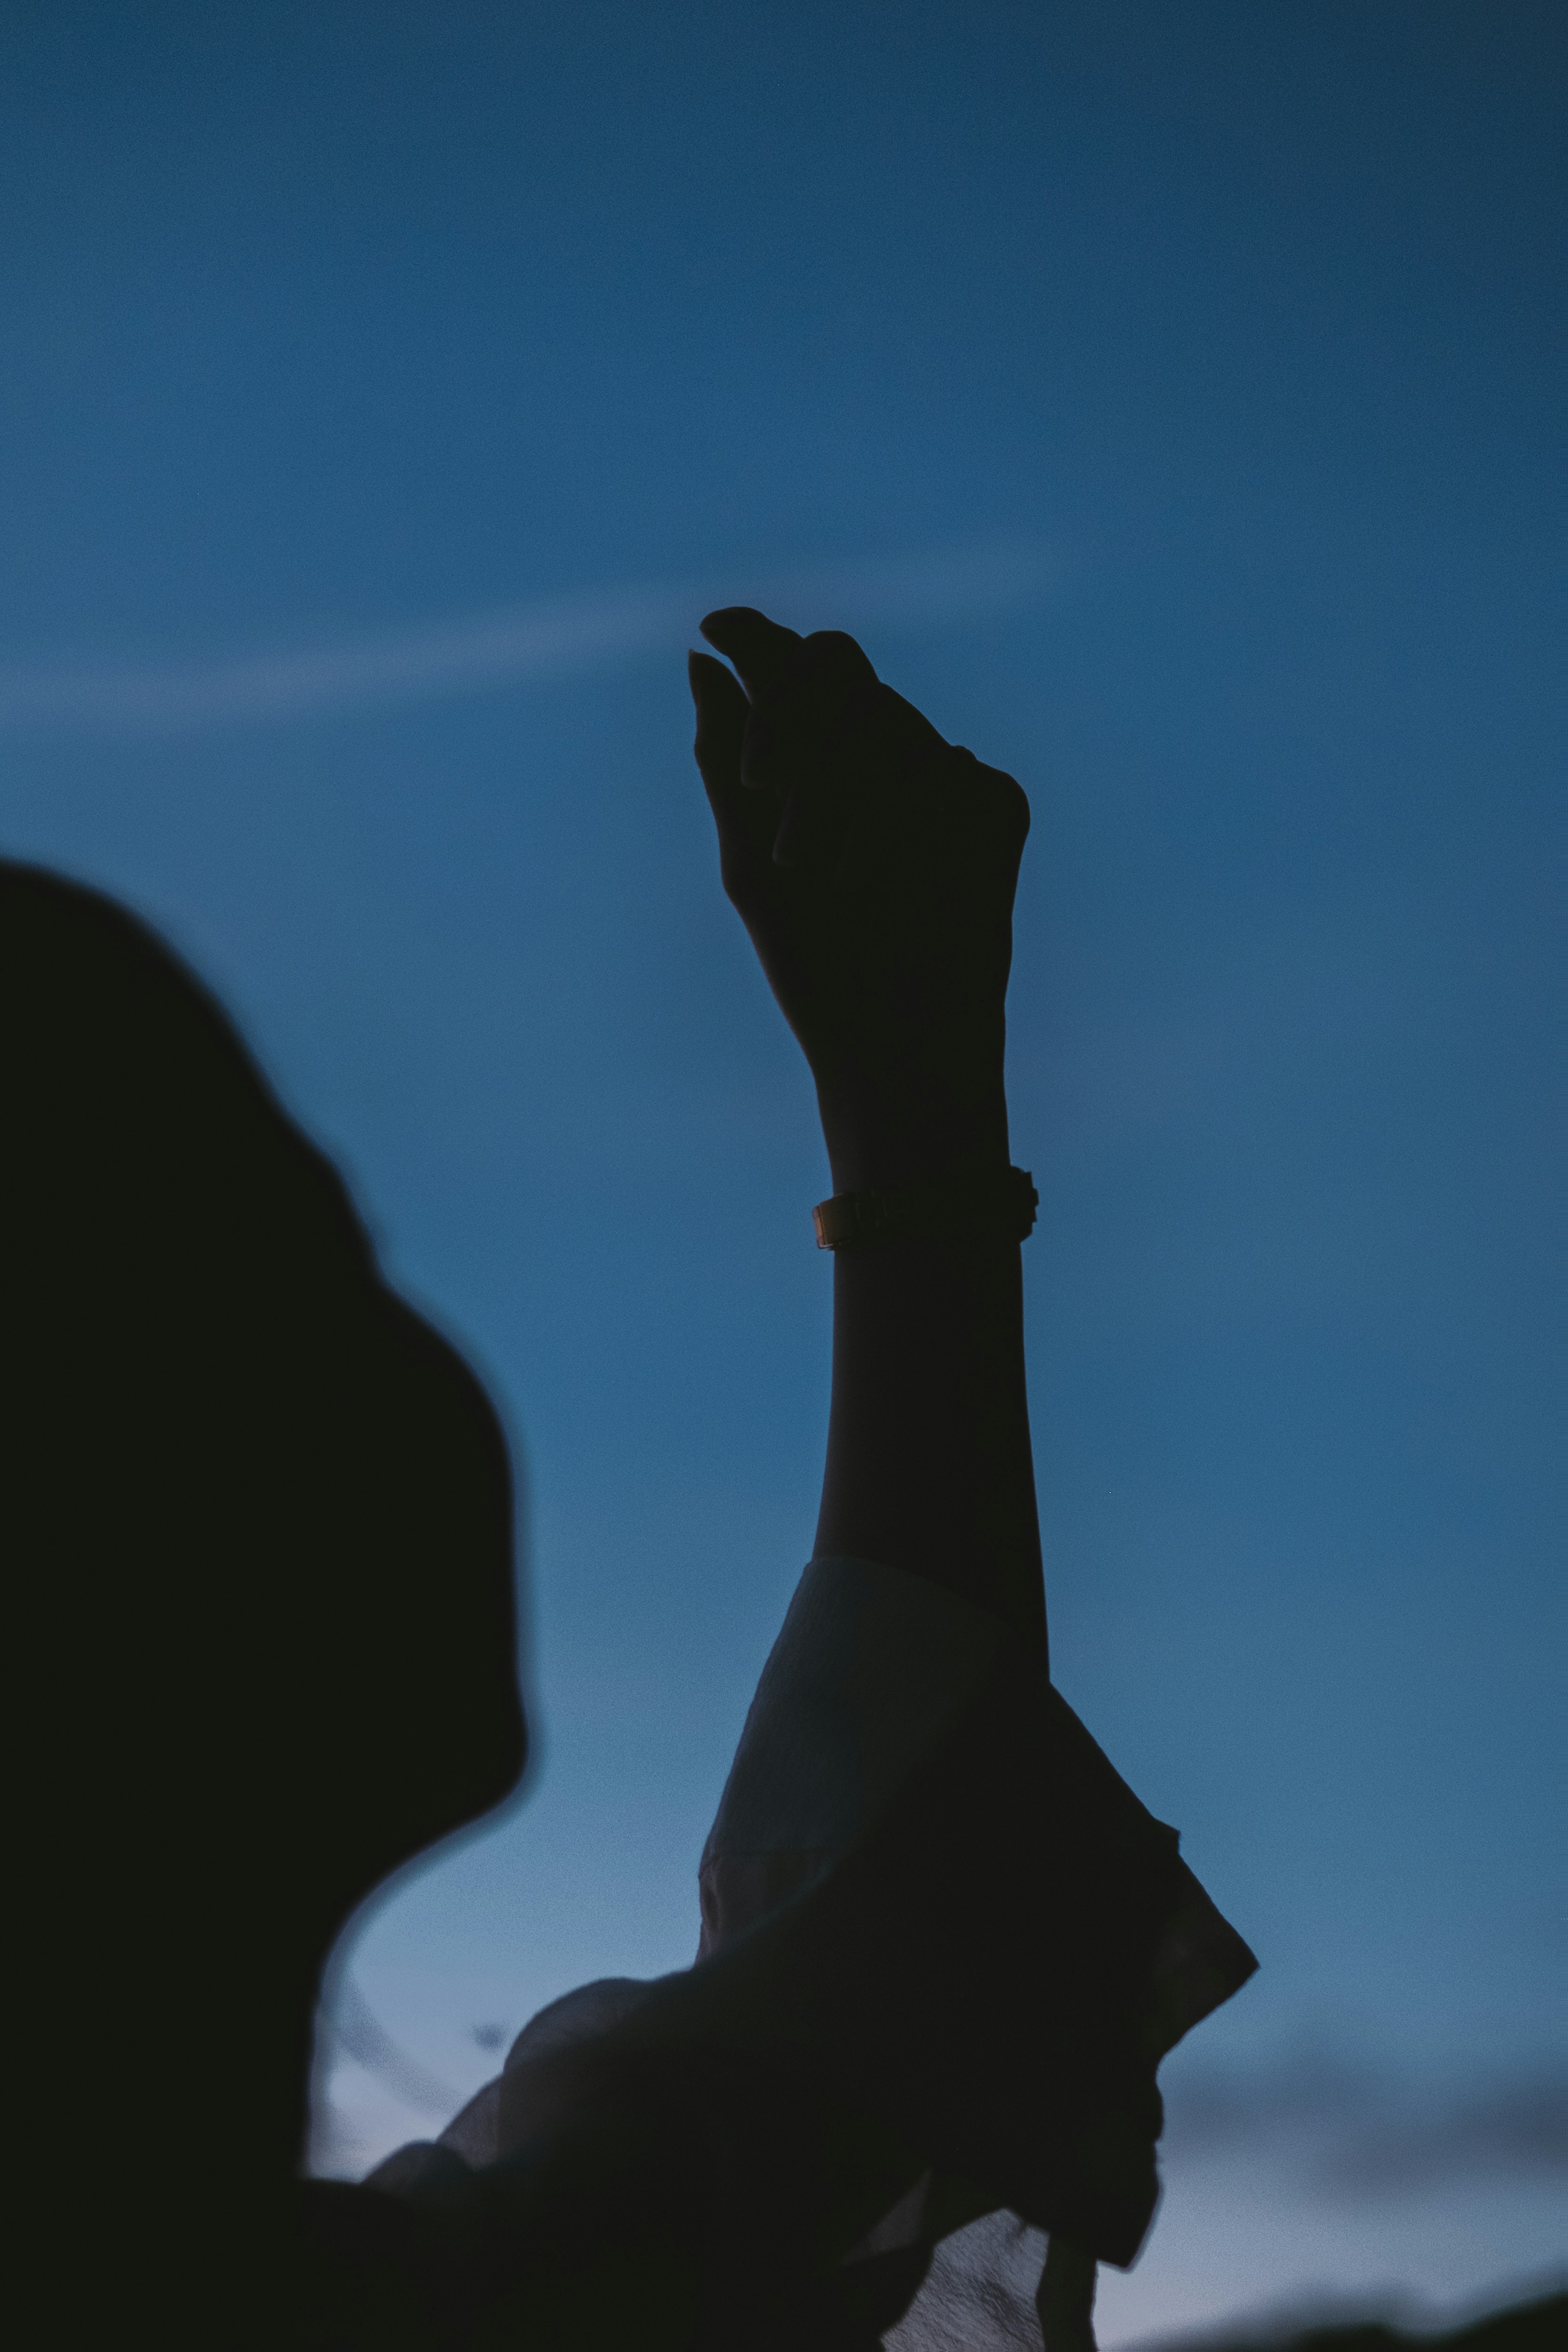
column 874, row 866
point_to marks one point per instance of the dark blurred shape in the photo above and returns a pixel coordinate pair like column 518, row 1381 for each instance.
column 257, row 1545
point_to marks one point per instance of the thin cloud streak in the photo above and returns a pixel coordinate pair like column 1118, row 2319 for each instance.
column 549, row 638
column 1350, row 2134
column 360, row 2035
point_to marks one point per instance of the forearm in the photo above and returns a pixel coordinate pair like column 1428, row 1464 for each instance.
column 929, row 1464
column 875, row 866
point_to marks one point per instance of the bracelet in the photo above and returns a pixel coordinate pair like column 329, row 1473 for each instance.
column 1001, row 1202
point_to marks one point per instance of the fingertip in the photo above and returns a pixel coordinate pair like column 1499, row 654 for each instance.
column 757, row 647
column 725, row 619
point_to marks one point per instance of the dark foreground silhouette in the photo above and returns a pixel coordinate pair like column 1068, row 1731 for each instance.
column 258, row 1543
column 260, row 1619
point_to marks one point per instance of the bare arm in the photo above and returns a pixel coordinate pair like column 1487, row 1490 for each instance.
column 874, row 866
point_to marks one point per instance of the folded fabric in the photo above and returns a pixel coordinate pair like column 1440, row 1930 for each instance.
column 942, row 1950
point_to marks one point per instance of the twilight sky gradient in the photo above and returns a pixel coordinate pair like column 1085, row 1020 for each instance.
column 1171, row 398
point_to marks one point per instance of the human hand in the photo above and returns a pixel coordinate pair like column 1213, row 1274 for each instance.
column 874, row 866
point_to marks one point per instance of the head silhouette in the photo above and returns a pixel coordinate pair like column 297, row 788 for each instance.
column 257, row 1570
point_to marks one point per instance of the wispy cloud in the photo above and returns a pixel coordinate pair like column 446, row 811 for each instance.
column 1347, row 2132
column 360, row 2035
column 1511, row 2130
column 543, row 639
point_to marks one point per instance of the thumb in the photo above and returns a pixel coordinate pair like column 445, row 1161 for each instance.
column 746, row 819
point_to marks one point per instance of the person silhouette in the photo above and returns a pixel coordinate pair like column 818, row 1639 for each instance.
column 262, row 1519
column 943, row 1945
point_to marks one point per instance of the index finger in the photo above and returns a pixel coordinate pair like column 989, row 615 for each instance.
column 759, row 649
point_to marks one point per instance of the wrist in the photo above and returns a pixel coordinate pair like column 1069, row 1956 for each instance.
column 878, row 1147
column 971, row 1204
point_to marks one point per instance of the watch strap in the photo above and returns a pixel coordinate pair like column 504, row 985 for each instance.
column 996, row 1200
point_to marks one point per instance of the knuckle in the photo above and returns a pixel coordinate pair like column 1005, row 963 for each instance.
column 836, row 646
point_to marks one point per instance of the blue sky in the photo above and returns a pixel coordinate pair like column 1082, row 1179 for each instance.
column 1171, row 399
